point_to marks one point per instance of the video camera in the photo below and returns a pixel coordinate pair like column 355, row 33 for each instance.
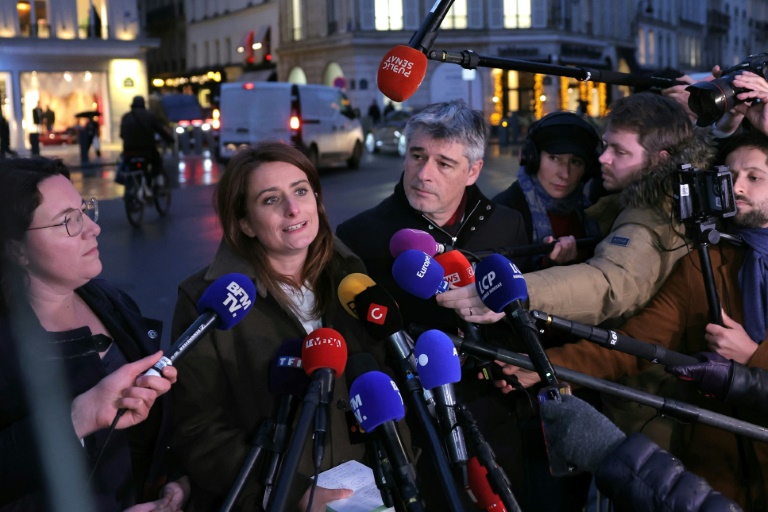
column 702, row 194
column 711, row 100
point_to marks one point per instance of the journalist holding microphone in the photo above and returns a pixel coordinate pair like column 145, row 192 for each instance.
column 276, row 232
column 50, row 261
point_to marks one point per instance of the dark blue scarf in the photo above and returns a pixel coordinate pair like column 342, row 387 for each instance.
column 753, row 280
column 540, row 203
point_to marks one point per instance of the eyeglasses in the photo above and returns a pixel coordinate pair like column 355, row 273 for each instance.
column 73, row 220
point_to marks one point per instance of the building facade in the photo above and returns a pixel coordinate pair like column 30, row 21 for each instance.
column 69, row 57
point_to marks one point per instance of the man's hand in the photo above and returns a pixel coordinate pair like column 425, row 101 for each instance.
column 680, row 95
column 731, row 341
column 468, row 305
column 564, row 251
column 172, row 499
column 125, row 388
column 754, row 99
column 322, row 497
column 526, row 378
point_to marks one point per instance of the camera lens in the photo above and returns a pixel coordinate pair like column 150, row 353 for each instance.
column 710, row 100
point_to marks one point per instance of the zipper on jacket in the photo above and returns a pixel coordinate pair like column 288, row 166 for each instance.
column 466, row 219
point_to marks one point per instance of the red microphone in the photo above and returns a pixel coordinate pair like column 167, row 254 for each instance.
column 458, row 270
column 401, row 72
column 324, row 356
column 480, row 489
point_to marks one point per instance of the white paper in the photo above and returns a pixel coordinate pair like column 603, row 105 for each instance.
column 358, row 477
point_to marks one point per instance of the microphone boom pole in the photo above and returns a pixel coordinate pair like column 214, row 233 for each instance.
column 667, row 406
column 468, row 59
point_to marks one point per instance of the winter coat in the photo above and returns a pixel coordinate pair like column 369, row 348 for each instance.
column 633, row 261
column 640, row 476
column 676, row 318
column 137, row 337
column 224, row 395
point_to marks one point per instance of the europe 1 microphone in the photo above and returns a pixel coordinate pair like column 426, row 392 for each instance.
column 502, row 288
column 419, row 274
column 377, row 405
column 439, row 368
column 616, row 341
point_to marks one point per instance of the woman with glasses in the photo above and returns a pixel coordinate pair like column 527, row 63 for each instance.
column 49, row 263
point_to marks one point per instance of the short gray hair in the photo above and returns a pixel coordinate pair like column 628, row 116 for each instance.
column 452, row 121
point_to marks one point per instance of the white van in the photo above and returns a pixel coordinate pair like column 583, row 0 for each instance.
column 316, row 118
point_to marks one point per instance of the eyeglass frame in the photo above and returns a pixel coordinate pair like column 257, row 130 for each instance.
column 91, row 204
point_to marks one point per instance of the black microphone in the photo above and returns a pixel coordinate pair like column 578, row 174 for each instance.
column 521, row 251
column 377, row 405
column 616, row 341
column 502, row 288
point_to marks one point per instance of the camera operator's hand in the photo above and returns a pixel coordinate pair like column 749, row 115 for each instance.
column 730, row 340
column 680, row 95
column 754, row 99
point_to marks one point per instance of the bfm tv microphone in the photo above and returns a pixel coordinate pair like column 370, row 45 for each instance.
column 349, row 287
column 377, row 405
column 616, row 341
column 403, row 68
column 502, row 288
column 324, row 355
column 419, row 274
column 439, row 367
column 288, row 381
column 223, row 304
column 408, row 238
column 457, row 268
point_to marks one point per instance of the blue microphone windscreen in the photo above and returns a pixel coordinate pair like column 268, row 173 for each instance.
column 418, row 273
column 286, row 373
column 437, row 359
column 231, row 296
column 499, row 282
column 374, row 398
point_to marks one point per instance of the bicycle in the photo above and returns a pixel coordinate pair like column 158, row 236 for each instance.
column 139, row 193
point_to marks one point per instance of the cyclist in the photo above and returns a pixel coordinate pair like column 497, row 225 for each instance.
column 137, row 129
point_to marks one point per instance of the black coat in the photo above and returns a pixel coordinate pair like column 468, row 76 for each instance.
column 138, row 128
column 136, row 337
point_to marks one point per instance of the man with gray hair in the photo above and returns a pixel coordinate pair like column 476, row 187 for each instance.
column 437, row 194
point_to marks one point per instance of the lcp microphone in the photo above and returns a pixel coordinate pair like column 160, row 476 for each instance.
column 223, row 304
column 439, row 368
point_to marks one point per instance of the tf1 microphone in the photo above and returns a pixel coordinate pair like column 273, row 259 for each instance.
column 408, row 238
column 439, row 367
column 324, row 355
column 287, row 380
column 403, row 68
column 349, row 287
column 480, row 488
column 223, row 304
column 419, row 274
column 377, row 404
column 502, row 288
column 616, row 341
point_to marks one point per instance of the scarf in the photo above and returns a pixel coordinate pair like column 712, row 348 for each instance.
column 540, row 203
column 753, row 281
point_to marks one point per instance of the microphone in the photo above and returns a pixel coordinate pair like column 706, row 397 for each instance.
column 419, row 274
column 457, row 268
column 357, row 365
column 288, row 380
column 408, row 238
column 223, row 304
column 377, row 405
column 520, row 251
column 349, row 287
column 501, row 287
column 616, row 341
column 324, row 355
column 403, row 68
column 439, row 367
column 480, row 488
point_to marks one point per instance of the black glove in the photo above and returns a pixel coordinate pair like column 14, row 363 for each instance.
column 713, row 375
column 577, row 433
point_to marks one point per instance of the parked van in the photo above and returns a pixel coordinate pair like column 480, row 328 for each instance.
column 317, row 118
